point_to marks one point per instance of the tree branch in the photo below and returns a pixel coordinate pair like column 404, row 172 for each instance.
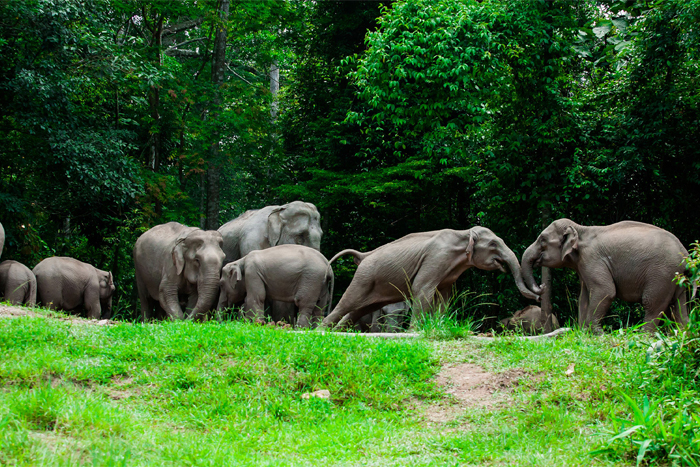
column 182, row 26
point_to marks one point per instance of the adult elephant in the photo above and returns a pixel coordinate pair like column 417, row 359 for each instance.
column 65, row 283
column 296, row 223
column 175, row 262
column 17, row 283
column 293, row 223
column 629, row 260
column 418, row 265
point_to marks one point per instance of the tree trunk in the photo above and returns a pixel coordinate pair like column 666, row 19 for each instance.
column 274, row 88
column 218, row 66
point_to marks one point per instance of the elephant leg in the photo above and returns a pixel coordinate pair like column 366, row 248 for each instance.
column 600, row 298
column 191, row 302
column 377, row 321
column 305, row 314
column 657, row 298
column 679, row 306
column 144, row 299
column 423, row 292
column 91, row 300
column 16, row 292
column 352, row 318
column 254, row 307
column 583, row 304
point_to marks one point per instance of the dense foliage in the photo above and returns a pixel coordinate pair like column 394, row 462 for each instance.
column 392, row 117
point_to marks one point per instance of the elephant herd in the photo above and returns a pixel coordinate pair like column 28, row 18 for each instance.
column 270, row 258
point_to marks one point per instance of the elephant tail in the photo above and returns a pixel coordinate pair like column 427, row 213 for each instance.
column 31, row 296
column 359, row 256
column 332, row 284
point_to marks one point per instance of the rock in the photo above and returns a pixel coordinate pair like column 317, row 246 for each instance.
column 321, row 394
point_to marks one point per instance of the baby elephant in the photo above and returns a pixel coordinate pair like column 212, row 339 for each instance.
column 287, row 273
column 65, row 284
column 532, row 320
column 17, row 283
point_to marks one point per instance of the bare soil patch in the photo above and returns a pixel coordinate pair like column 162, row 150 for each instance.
column 8, row 311
column 470, row 386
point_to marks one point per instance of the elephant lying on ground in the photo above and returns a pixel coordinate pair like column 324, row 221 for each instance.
column 174, row 262
column 288, row 273
column 65, row 284
column 17, row 283
column 629, row 260
column 418, row 266
column 295, row 223
column 532, row 320
column 389, row 318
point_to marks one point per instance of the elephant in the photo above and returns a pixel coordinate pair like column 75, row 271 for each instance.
column 295, row 223
column 17, row 283
column 630, row 260
column 389, row 318
column 532, row 320
column 65, row 283
column 286, row 273
column 174, row 262
column 418, row 266
column 2, row 239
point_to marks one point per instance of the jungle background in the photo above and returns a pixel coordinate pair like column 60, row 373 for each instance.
column 391, row 117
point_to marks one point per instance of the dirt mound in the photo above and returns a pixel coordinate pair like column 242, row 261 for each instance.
column 470, row 387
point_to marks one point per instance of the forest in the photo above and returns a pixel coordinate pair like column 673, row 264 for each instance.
column 391, row 117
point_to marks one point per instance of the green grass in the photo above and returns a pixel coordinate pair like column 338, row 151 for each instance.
column 230, row 394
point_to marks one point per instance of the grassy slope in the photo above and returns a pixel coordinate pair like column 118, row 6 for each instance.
column 229, row 394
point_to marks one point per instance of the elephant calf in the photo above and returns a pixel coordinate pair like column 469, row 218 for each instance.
column 286, row 273
column 532, row 320
column 65, row 284
column 17, row 283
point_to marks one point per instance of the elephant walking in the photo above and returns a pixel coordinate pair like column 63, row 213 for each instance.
column 65, row 284
column 287, row 273
column 418, row 266
column 17, row 283
column 174, row 262
column 629, row 260
column 295, row 223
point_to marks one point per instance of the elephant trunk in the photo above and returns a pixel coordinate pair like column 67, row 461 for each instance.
column 207, row 294
column 529, row 258
column 514, row 266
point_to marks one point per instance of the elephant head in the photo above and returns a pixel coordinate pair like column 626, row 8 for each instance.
column 232, row 284
column 198, row 256
column 106, row 291
column 489, row 252
column 556, row 247
column 295, row 223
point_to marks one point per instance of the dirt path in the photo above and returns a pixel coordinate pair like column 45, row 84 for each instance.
column 8, row 311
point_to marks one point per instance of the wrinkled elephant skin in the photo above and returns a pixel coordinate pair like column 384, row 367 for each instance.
column 531, row 320
column 174, row 262
column 65, row 284
column 423, row 267
column 17, row 283
column 629, row 260
column 287, row 273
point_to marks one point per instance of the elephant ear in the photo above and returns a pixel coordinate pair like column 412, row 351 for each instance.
column 236, row 272
column 470, row 246
column 274, row 226
column 179, row 255
column 569, row 242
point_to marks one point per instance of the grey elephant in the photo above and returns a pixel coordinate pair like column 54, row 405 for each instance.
column 176, row 263
column 287, row 273
column 629, row 260
column 295, row 223
column 389, row 318
column 531, row 320
column 2, row 239
column 65, row 283
column 17, row 283
column 422, row 266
